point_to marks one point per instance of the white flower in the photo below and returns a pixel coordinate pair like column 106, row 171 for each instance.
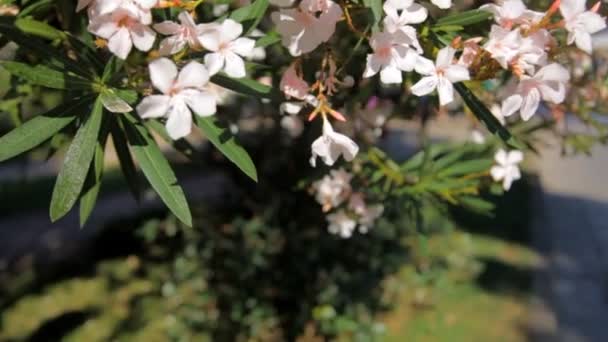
column 367, row 215
column 581, row 24
column 302, row 30
column 512, row 12
column 477, row 137
column 293, row 85
column 400, row 13
column 532, row 52
column 182, row 95
column 506, row 169
column 333, row 189
column 391, row 56
column 440, row 75
column 122, row 29
column 227, row 48
column 549, row 83
column 187, row 32
column 443, row 4
column 331, row 145
column 341, row 224
column 503, row 45
column 139, row 8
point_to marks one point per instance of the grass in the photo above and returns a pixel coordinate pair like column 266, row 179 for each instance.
column 459, row 302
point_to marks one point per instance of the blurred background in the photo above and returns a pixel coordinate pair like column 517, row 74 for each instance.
column 259, row 265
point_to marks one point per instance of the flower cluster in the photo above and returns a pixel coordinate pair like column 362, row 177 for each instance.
column 127, row 23
column 334, row 191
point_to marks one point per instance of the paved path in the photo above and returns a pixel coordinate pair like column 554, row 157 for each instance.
column 571, row 229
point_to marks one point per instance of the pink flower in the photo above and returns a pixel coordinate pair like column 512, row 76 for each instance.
column 227, row 49
column 512, row 12
column 181, row 95
column 503, row 45
column 440, row 75
column 293, row 85
column 400, row 13
column 581, row 24
column 549, row 83
column 302, row 30
column 187, row 32
column 470, row 51
column 392, row 55
column 122, row 29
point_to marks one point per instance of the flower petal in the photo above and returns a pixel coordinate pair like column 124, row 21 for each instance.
column 202, row 103
column 243, row 46
column 163, row 73
column 425, row 86
column 193, row 75
column 511, row 105
column 143, row 37
column 445, row 89
column 153, row 106
column 214, row 62
column 179, row 123
column 167, row 28
column 230, row 30
column 120, row 43
column 530, row 104
column 235, row 66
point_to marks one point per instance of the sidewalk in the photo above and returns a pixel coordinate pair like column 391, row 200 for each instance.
column 571, row 230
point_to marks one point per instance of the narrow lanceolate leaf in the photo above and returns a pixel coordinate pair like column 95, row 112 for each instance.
column 484, row 115
column 124, row 157
column 250, row 15
column 225, row 142
column 76, row 164
column 39, row 29
column 156, row 168
column 270, row 38
column 44, row 76
column 39, row 129
column 40, row 47
column 92, row 185
column 245, row 86
column 376, row 8
column 114, row 103
column 464, row 18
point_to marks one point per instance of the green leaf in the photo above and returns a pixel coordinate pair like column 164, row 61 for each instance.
column 466, row 168
column 156, row 168
column 476, row 204
column 376, row 7
column 225, row 142
column 111, row 68
column 36, row 6
column 76, row 164
column 40, row 48
column 270, row 38
column 92, row 184
column 114, row 103
column 126, row 161
column 39, row 29
column 40, row 128
column 45, row 76
column 245, row 86
column 484, row 115
column 250, row 15
column 464, row 18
